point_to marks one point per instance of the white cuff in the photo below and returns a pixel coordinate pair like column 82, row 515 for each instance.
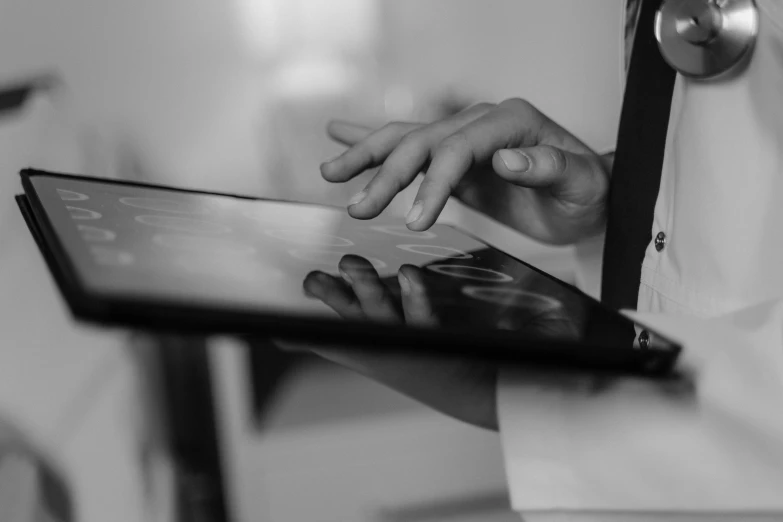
column 580, row 445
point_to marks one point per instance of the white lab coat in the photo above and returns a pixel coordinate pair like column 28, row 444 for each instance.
column 641, row 451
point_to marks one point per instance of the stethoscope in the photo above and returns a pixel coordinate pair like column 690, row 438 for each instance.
column 707, row 39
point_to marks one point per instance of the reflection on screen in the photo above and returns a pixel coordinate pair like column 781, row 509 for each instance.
column 289, row 258
column 480, row 289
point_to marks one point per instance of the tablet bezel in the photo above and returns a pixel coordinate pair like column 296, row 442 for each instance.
column 160, row 315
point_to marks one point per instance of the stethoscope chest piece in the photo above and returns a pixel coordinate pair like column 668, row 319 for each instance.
column 704, row 39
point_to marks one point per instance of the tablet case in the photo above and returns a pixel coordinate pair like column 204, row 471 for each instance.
column 601, row 350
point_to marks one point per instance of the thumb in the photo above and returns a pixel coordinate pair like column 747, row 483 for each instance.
column 540, row 166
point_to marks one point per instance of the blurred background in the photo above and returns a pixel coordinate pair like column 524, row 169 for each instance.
column 213, row 91
column 234, row 95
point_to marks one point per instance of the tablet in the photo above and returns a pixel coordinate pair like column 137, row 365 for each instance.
column 162, row 258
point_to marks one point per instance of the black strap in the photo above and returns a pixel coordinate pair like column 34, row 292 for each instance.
column 636, row 175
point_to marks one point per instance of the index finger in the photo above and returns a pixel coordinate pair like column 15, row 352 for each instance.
column 346, row 132
column 368, row 152
column 510, row 124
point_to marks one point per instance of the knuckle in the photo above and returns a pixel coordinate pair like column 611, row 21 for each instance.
column 516, row 103
column 415, row 139
column 519, row 105
column 398, row 184
column 388, row 183
column 457, row 143
column 429, row 187
column 392, row 173
column 365, row 152
column 483, row 106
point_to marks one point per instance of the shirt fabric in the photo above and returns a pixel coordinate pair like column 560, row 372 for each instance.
column 642, row 451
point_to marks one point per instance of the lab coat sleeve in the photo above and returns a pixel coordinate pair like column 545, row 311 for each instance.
column 584, row 448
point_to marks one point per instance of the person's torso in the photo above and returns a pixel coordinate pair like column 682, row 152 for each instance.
column 720, row 204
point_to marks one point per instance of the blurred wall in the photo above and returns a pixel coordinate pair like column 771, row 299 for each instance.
column 189, row 82
column 563, row 55
column 172, row 76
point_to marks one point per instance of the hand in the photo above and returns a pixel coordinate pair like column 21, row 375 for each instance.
column 508, row 161
column 362, row 295
column 463, row 389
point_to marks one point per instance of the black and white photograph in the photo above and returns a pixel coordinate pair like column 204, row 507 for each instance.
column 391, row 261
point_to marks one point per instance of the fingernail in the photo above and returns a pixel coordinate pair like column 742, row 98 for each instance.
column 332, row 159
column 358, row 198
column 414, row 213
column 515, row 160
column 328, row 166
column 405, row 284
column 345, row 276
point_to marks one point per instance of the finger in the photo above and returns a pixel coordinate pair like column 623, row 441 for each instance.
column 376, row 301
column 346, row 132
column 415, row 301
column 406, row 161
column 334, row 294
column 542, row 166
column 508, row 125
column 367, row 153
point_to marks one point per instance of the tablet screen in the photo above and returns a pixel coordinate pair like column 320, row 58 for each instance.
column 292, row 259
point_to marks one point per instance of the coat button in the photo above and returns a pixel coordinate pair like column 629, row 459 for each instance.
column 644, row 340
column 660, row 241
